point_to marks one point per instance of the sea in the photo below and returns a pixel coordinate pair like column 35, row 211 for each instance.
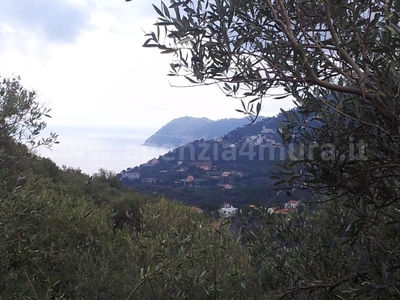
column 93, row 148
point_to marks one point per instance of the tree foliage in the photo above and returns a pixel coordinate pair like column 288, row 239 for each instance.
column 339, row 61
column 67, row 235
column 21, row 122
column 21, row 115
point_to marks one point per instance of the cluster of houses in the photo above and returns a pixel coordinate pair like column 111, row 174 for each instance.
column 265, row 136
column 289, row 207
column 143, row 174
column 292, row 206
column 224, row 179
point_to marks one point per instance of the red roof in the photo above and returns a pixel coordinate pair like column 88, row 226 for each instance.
column 283, row 211
column 189, row 178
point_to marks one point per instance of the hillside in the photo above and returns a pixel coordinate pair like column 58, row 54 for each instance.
column 187, row 129
column 67, row 235
column 233, row 168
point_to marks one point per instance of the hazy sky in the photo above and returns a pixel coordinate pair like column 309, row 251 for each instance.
column 85, row 59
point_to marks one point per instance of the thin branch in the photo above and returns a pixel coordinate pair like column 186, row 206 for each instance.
column 335, row 284
column 30, row 283
column 343, row 53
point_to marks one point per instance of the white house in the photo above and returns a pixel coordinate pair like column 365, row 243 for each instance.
column 267, row 130
column 130, row 175
column 272, row 210
column 228, row 210
column 292, row 204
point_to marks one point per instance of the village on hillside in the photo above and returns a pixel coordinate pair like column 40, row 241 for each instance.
column 220, row 162
column 235, row 168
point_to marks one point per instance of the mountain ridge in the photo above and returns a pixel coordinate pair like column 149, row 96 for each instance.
column 187, row 129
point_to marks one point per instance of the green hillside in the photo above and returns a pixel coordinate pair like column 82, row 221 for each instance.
column 235, row 168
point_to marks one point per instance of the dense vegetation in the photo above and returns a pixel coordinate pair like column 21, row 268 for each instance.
column 66, row 235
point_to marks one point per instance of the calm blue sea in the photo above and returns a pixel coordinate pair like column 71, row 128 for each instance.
column 90, row 149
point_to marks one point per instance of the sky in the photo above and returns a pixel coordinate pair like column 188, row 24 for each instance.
column 86, row 61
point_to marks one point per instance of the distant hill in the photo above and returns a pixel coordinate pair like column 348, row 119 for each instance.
column 188, row 129
column 234, row 168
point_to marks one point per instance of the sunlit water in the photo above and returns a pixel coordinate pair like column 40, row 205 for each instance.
column 90, row 149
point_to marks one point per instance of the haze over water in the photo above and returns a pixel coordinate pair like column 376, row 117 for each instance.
column 90, row 149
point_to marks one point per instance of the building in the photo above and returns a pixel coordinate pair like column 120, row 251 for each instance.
column 284, row 211
column 294, row 204
column 267, row 130
column 272, row 210
column 206, row 166
column 226, row 186
column 189, row 179
column 228, row 210
column 130, row 176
